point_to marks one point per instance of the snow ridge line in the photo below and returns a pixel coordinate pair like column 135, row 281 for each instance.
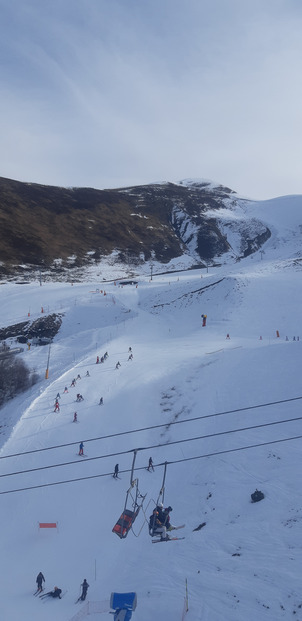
column 185, row 295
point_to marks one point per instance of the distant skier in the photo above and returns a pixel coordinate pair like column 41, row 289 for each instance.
column 101, row 401
column 85, row 587
column 80, row 397
column 81, row 448
column 118, row 364
column 204, row 320
column 40, row 579
column 97, row 360
column 130, row 357
column 65, row 389
column 75, row 418
column 150, row 465
column 106, row 355
column 129, row 350
column 87, row 374
column 116, row 471
column 73, row 383
column 55, row 593
column 57, row 407
column 58, row 396
column 78, row 377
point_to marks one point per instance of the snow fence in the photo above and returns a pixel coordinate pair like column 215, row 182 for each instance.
column 91, row 608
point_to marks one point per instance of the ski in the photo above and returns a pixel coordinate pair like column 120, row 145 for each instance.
column 45, row 598
column 166, row 540
column 37, row 592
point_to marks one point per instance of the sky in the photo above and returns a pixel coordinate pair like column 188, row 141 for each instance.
column 190, row 397
column 110, row 94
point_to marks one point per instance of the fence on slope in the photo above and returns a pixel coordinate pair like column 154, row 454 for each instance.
column 91, row 608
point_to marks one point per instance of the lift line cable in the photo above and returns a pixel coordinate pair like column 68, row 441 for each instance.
column 147, row 448
column 177, row 461
column 176, row 422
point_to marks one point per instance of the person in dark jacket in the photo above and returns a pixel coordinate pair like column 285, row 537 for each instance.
column 166, row 518
column 150, row 465
column 156, row 526
column 85, row 587
column 40, row 579
column 116, row 471
column 55, row 593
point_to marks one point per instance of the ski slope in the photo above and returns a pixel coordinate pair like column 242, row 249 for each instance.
column 246, row 562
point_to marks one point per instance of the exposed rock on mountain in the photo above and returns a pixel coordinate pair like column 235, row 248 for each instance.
column 45, row 227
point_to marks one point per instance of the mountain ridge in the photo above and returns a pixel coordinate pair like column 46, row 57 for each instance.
column 54, row 228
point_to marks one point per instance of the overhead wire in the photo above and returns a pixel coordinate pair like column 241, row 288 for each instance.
column 153, row 446
column 151, row 427
column 96, row 476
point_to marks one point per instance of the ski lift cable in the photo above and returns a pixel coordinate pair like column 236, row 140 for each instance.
column 176, row 461
column 155, row 446
column 177, row 422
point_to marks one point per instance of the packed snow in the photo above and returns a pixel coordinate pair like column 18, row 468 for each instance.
column 188, row 397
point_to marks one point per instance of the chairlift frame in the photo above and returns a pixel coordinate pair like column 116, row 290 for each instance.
column 161, row 496
column 125, row 522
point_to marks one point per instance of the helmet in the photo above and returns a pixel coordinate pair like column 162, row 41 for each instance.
column 160, row 504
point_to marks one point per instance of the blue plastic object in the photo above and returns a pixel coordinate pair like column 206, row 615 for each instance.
column 123, row 604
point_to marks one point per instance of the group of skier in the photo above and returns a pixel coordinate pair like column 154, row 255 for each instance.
column 102, row 359
column 56, row 592
column 116, row 468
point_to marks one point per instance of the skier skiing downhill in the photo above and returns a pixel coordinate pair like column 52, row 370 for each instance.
column 75, row 418
column 85, row 587
column 81, row 448
column 116, row 471
column 150, row 465
column 39, row 580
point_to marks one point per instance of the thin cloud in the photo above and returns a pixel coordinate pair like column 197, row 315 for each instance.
column 107, row 95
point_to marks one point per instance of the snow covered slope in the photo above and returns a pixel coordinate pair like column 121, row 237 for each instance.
column 189, row 397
